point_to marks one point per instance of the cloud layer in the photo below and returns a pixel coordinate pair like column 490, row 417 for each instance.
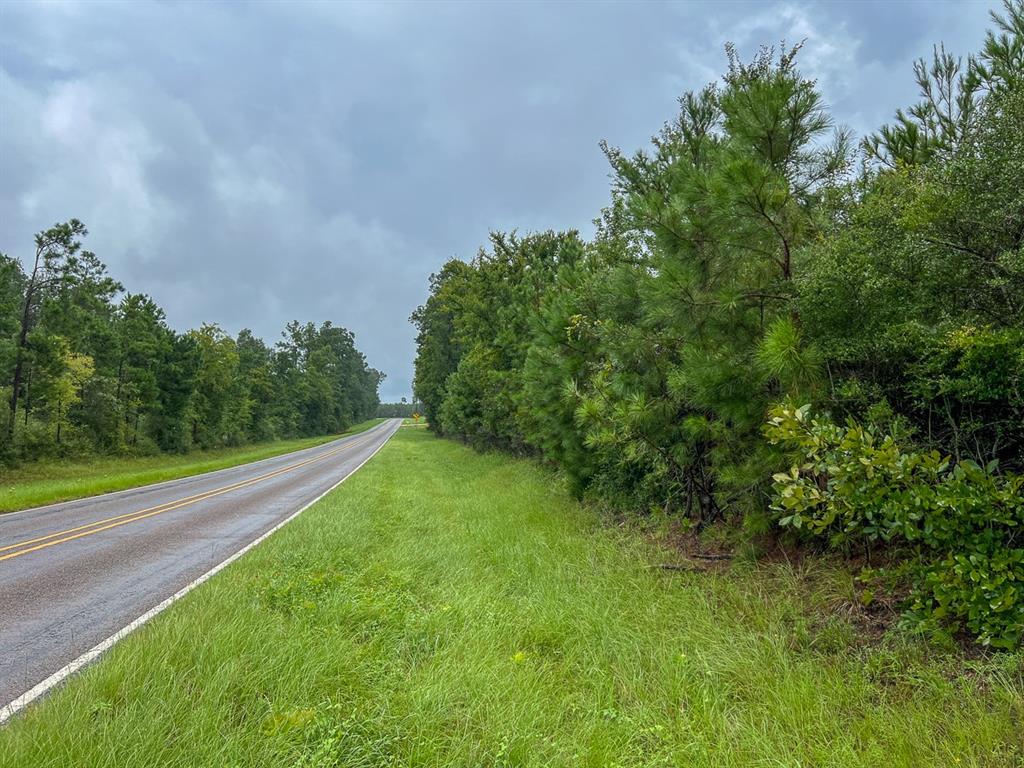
column 249, row 164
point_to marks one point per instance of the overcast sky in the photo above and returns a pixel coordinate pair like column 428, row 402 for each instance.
column 252, row 163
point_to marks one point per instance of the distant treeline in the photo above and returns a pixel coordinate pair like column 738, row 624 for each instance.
column 776, row 326
column 396, row 410
column 88, row 368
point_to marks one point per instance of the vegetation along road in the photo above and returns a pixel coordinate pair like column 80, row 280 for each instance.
column 75, row 574
column 444, row 608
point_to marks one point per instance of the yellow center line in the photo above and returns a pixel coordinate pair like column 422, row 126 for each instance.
column 196, row 497
column 131, row 517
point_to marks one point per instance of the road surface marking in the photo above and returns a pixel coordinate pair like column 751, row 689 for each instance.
column 173, row 501
column 131, row 517
column 7, row 711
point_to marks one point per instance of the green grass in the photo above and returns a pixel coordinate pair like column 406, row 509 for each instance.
column 444, row 608
column 46, row 482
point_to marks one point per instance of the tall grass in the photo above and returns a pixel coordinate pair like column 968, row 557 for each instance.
column 448, row 609
column 45, row 482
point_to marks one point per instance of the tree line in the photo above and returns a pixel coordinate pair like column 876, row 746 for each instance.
column 89, row 368
column 780, row 328
column 402, row 410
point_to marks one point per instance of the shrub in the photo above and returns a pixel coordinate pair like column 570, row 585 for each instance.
column 960, row 521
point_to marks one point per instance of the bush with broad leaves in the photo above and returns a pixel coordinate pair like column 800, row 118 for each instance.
column 961, row 521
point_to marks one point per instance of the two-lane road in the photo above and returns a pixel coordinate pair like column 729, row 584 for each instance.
column 74, row 574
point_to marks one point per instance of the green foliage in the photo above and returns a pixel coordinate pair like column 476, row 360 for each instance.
column 744, row 262
column 88, row 369
column 34, row 484
column 475, row 334
column 961, row 522
column 916, row 292
column 438, row 349
column 402, row 410
column 952, row 95
column 785, row 357
column 450, row 610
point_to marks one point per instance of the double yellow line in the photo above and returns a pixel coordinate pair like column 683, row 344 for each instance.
column 59, row 537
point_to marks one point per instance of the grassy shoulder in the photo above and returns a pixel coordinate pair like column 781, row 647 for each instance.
column 46, row 482
column 444, row 608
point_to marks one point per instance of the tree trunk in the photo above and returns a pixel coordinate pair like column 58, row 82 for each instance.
column 19, row 359
column 120, row 380
column 28, row 397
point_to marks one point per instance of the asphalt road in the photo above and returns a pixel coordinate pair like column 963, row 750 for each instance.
column 73, row 574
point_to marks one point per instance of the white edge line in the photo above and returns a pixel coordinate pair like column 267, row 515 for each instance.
column 111, row 494
column 22, row 701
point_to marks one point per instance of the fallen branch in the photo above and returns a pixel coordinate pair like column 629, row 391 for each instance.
column 676, row 567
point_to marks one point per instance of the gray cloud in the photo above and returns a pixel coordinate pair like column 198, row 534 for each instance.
column 248, row 164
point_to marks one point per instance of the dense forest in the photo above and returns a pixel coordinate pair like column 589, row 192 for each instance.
column 87, row 368
column 781, row 330
column 403, row 410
